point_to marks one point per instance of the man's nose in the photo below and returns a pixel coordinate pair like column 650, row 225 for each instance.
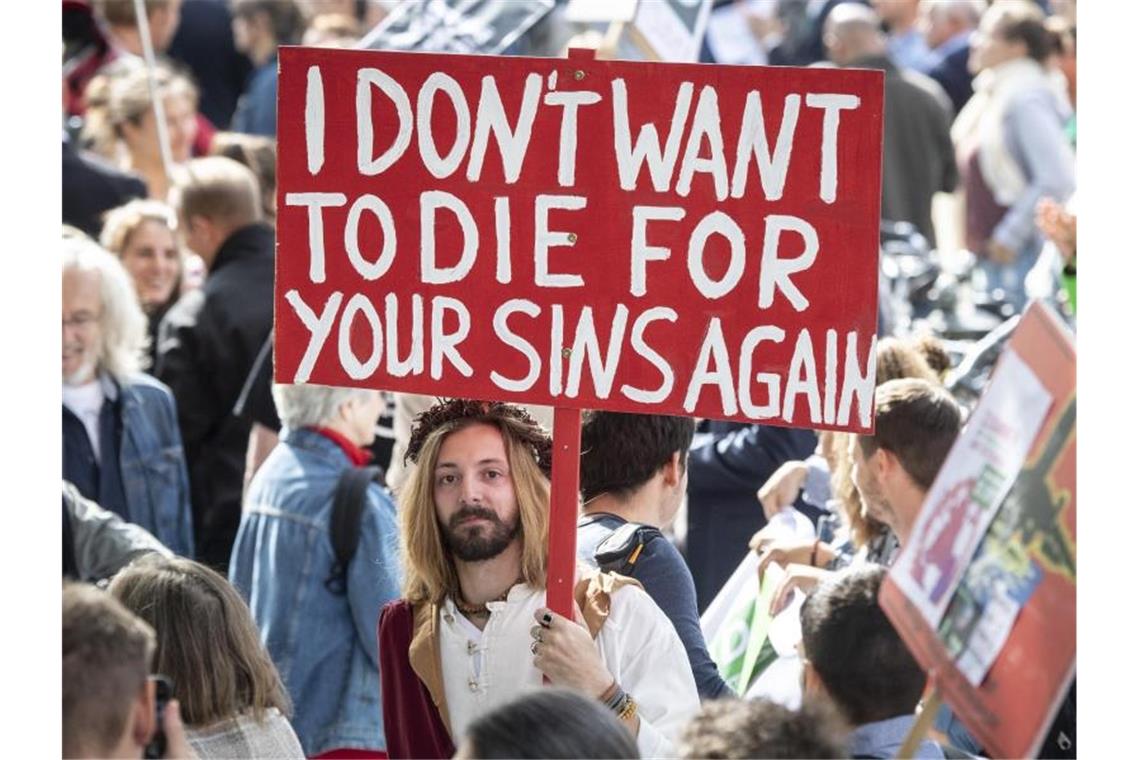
column 471, row 491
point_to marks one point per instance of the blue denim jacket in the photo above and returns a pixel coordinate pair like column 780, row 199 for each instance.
column 147, row 467
column 324, row 645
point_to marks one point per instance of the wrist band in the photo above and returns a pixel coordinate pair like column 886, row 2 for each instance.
column 628, row 709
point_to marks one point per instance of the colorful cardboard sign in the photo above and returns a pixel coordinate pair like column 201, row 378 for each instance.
column 984, row 593
column 639, row 237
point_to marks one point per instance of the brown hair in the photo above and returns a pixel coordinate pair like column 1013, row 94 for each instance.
column 219, row 189
column 726, row 729
column 257, row 152
column 917, row 421
column 429, row 571
column 863, row 527
column 106, row 659
column 122, row 12
column 1022, row 21
column 207, row 641
column 895, row 358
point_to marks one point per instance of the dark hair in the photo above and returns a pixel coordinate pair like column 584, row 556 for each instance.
column 620, row 452
column 1024, row 22
column 550, row 723
column 207, row 641
column 284, row 17
column 106, row 659
column 866, row 669
column 728, row 729
column 918, row 422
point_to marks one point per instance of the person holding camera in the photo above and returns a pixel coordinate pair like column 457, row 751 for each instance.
column 110, row 707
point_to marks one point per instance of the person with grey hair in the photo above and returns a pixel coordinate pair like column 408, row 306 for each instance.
column 289, row 563
column 121, row 443
column 918, row 156
column 947, row 26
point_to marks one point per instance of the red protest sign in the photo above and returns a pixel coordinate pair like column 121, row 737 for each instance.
column 655, row 238
column 984, row 592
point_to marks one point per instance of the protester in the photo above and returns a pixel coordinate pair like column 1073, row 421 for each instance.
column 337, row 30
column 918, row 157
column 916, row 424
column 121, row 444
column 260, row 26
column 474, row 524
column 633, row 473
column 204, row 44
column 97, row 543
column 854, row 659
column 1011, row 145
column 231, row 696
column 131, row 119
column 905, row 43
column 260, row 155
column 738, row 729
column 285, row 564
column 108, row 696
column 209, row 339
column 848, row 533
column 121, row 25
column 946, row 26
column 548, row 723
column 142, row 235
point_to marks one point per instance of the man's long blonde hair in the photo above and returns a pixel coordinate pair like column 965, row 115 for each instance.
column 429, row 569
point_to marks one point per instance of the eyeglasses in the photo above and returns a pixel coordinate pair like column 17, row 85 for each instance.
column 81, row 320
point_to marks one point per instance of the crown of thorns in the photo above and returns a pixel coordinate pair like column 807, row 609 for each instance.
column 528, row 431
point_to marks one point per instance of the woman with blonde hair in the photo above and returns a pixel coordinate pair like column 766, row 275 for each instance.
column 142, row 234
column 130, row 116
column 233, row 702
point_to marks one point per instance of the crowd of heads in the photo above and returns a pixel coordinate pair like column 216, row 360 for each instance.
column 480, row 483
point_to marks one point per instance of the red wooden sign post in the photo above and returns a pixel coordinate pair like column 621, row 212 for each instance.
column 639, row 237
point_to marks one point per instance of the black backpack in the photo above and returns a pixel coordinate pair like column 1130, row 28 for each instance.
column 344, row 523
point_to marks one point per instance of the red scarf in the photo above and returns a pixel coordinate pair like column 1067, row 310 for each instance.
column 358, row 456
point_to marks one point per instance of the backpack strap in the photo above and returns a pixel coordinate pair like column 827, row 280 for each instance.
column 344, row 522
column 619, row 552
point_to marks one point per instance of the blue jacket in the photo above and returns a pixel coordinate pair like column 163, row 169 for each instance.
column 323, row 644
column 141, row 476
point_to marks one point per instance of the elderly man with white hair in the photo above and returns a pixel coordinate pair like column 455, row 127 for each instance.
column 316, row 605
column 121, row 444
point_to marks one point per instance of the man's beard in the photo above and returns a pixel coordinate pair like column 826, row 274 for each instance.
column 478, row 544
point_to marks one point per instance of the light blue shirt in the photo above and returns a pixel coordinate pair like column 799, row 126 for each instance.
column 884, row 738
column 909, row 50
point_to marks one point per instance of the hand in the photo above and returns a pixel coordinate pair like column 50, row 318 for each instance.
column 782, row 488
column 1058, row 225
column 802, row 577
column 176, row 743
column 783, row 553
column 565, row 653
column 999, row 253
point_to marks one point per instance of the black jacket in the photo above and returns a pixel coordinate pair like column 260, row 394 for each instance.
column 91, row 187
column 207, row 344
column 727, row 465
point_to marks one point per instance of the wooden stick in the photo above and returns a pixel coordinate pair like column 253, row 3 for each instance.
column 922, row 723
column 563, row 536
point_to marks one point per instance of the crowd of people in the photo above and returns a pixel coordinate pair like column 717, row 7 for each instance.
column 265, row 570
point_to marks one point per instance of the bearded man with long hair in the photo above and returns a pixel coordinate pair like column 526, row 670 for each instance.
column 472, row 630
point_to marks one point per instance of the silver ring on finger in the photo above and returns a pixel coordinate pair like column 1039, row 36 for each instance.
column 534, row 646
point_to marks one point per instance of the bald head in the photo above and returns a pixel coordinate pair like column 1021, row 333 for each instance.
column 853, row 31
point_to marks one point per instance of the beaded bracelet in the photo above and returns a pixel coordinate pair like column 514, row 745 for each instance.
column 628, row 709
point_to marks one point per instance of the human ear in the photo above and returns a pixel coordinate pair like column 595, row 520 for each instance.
column 142, row 721
column 673, row 470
